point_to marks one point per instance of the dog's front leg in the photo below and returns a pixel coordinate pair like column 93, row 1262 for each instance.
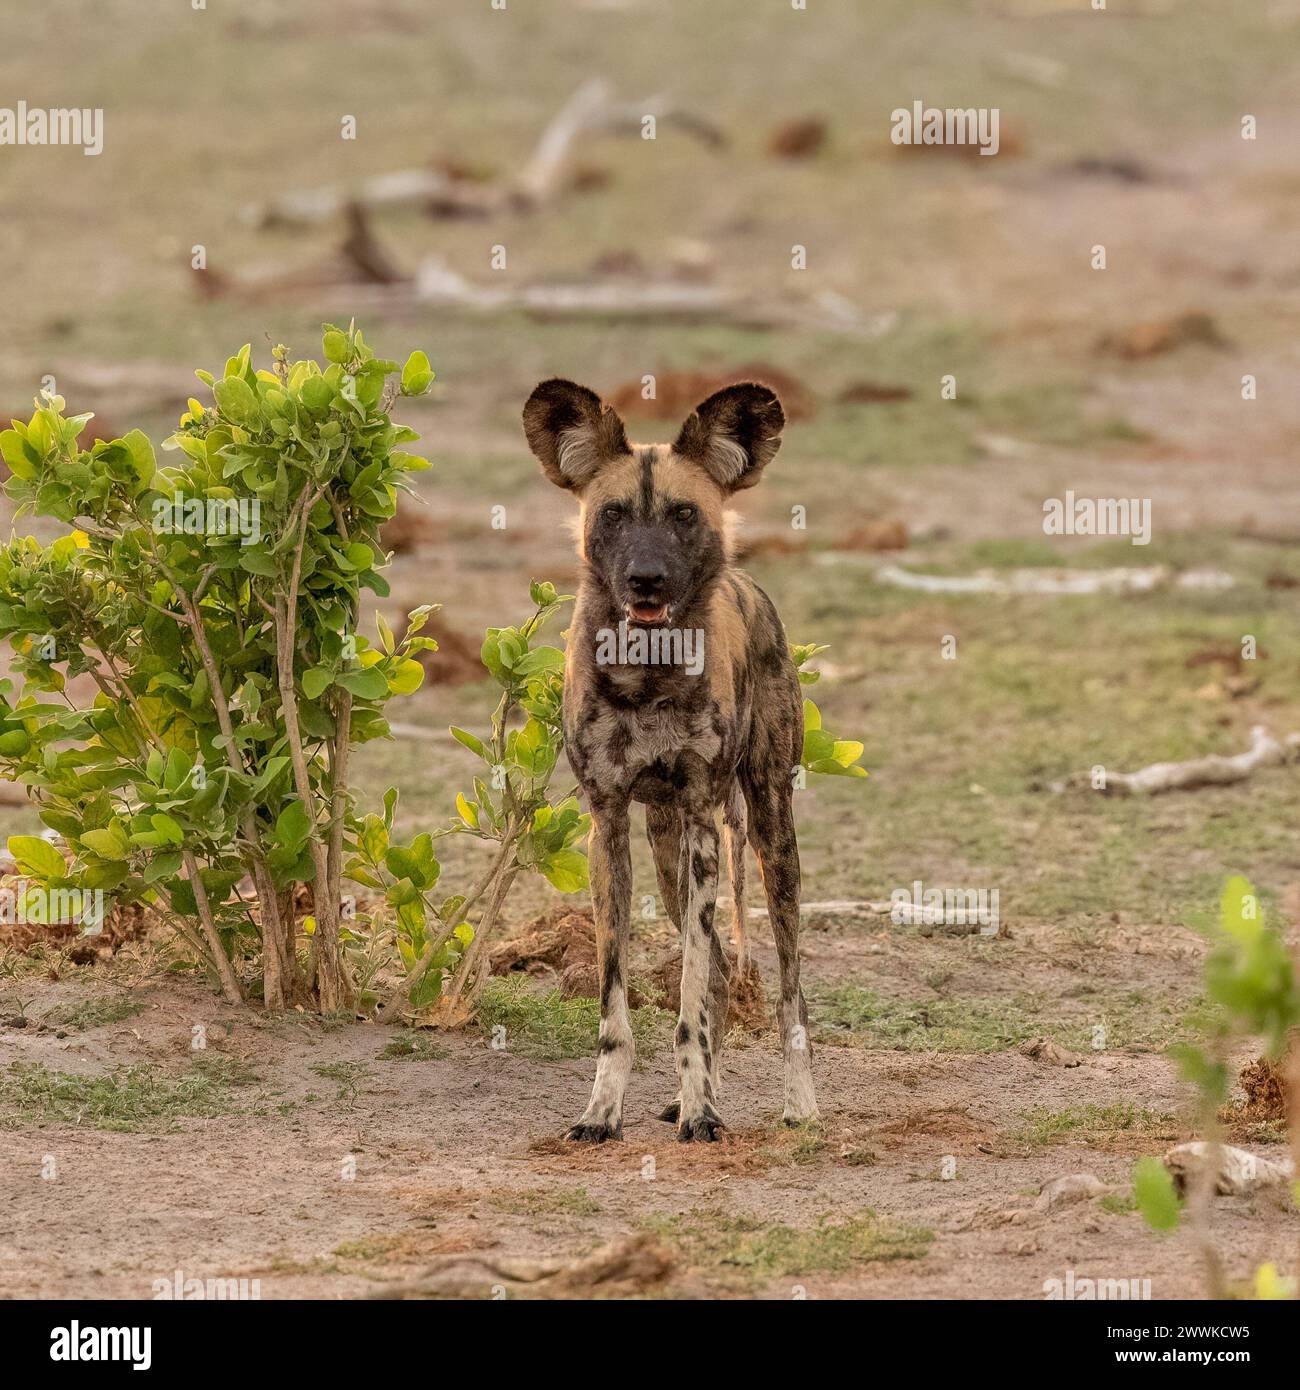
column 695, row 1043
column 611, row 890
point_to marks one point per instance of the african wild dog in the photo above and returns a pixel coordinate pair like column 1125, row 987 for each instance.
column 654, row 554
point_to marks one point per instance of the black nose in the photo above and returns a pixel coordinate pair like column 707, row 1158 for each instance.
column 645, row 578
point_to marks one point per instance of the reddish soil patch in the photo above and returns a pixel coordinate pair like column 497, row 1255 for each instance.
column 741, row 1151
column 457, row 660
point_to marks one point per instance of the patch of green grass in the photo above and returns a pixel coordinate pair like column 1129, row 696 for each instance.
column 367, row 1248
column 93, row 1013
column 351, row 1076
column 550, row 1027
column 1056, row 686
column 851, row 1015
column 412, row 1047
column 129, row 1100
column 1092, row 1124
column 540, row 1201
column 223, row 1068
column 796, row 1143
column 286, row 1264
column 744, row 1249
column 1053, row 413
column 1118, row 1203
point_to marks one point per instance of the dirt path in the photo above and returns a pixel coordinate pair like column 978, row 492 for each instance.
column 338, row 1171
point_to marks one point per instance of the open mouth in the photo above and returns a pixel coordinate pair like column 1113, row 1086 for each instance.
column 647, row 612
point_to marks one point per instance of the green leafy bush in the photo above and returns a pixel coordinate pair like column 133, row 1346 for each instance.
column 215, row 604
column 511, row 808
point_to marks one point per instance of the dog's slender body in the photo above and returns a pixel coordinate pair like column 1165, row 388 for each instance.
column 689, row 746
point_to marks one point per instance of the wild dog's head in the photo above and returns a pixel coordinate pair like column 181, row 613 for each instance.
column 652, row 515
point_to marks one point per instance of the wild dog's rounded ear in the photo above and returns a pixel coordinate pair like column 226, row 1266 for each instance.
column 572, row 432
column 734, row 434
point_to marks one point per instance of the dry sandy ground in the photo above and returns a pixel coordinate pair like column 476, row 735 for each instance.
column 460, row 1153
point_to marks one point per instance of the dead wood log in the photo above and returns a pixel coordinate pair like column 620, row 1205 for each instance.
column 620, row 298
column 1213, row 770
column 403, row 188
column 847, row 907
column 1139, row 579
column 590, row 109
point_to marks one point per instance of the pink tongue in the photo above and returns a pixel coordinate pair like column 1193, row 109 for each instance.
column 648, row 612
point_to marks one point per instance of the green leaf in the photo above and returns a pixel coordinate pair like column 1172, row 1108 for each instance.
column 235, row 399
column 846, row 751
column 567, row 870
column 359, row 555
column 370, row 684
column 818, row 746
column 532, row 749
column 18, row 454
column 316, row 682
column 317, row 394
column 538, row 660
column 255, row 560
column 14, row 743
column 416, row 375
column 407, row 678
column 293, row 827
column 178, row 767
column 162, row 866
column 169, row 829
column 475, row 745
column 386, row 639
column 142, row 455
column 105, row 876
column 414, row 862
column 426, row 989
column 37, row 857
column 181, row 893
column 274, row 767
column 374, row 839
column 1155, row 1194
column 335, row 346
column 107, row 843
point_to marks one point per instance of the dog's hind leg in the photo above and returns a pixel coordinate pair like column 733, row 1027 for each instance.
column 611, row 889
column 771, row 832
column 663, row 826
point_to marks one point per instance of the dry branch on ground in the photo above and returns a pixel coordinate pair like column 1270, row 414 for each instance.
column 1213, row 770
column 1139, row 579
column 590, row 110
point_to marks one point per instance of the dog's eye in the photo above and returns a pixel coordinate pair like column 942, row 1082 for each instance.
column 685, row 513
column 612, row 512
